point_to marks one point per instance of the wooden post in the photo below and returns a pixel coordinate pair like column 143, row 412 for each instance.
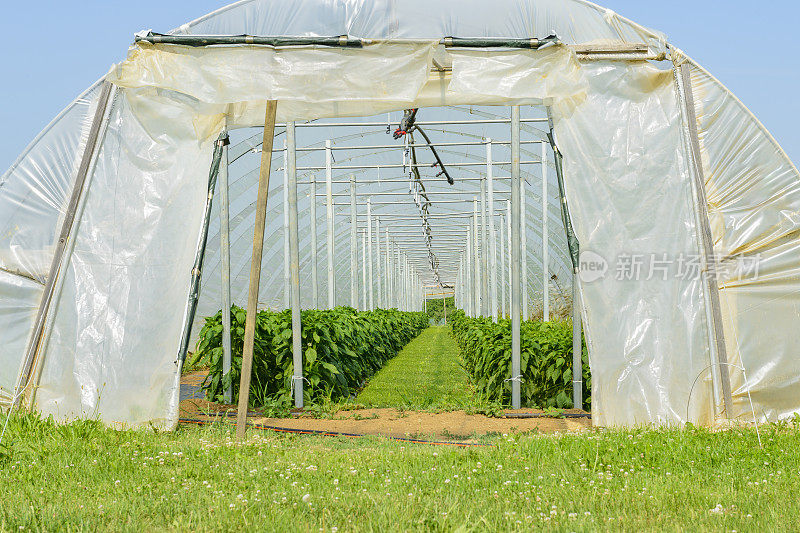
column 255, row 268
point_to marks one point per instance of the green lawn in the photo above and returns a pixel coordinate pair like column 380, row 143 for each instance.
column 85, row 478
column 425, row 374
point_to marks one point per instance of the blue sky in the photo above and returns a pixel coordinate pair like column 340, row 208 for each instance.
column 52, row 50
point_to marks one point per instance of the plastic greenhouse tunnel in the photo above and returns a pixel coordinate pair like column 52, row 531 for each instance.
column 527, row 158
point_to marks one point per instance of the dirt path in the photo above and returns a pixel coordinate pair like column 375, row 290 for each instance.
column 452, row 425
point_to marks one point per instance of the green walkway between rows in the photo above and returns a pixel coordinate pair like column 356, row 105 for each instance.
column 425, row 374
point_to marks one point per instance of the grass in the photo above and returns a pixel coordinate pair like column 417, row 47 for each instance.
column 81, row 477
column 426, row 373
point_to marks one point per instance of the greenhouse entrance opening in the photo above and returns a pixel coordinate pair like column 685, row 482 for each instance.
column 408, row 210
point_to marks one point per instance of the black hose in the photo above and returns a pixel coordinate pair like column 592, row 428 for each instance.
column 545, row 415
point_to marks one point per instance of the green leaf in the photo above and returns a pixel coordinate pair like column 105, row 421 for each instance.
column 311, row 355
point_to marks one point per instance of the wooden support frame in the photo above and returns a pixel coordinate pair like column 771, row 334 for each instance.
column 255, row 269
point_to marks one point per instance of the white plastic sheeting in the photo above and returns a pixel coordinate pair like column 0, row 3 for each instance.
column 630, row 197
column 19, row 300
column 34, row 192
column 33, row 196
column 753, row 195
column 112, row 351
column 115, row 327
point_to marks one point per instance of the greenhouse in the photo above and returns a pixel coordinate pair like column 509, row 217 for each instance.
column 530, row 158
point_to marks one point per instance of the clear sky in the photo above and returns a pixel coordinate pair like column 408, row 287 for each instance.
column 52, row 50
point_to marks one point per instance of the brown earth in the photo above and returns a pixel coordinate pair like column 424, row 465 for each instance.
column 453, row 425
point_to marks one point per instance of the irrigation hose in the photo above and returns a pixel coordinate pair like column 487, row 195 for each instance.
column 321, row 433
column 546, row 415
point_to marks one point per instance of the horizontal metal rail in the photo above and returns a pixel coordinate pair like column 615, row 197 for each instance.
column 464, row 122
column 393, row 225
column 418, row 165
column 404, row 193
column 400, row 146
column 406, row 216
column 408, row 202
column 339, row 41
column 398, row 180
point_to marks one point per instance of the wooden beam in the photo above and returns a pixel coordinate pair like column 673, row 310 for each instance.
column 255, row 269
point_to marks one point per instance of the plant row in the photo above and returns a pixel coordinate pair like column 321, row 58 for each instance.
column 342, row 347
column 546, row 360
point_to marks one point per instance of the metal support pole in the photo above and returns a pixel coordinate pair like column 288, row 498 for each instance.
column 387, row 301
column 353, row 245
column 462, row 299
column 379, row 267
column 399, row 285
column 503, row 266
column 294, row 253
column 407, row 286
column 467, row 271
column 574, row 250
column 364, row 301
column 470, row 275
column 523, row 233
column 409, row 273
column 459, row 282
column 255, row 269
column 403, row 276
column 484, row 254
column 444, row 304
column 545, row 240
column 508, row 252
column 225, row 255
column 369, row 256
column 287, row 275
column 329, row 192
column 709, row 259
column 577, row 343
column 476, row 281
column 515, row 262
column 400, row 281
column 312, row 203
column 194, row 292
column 492, row 233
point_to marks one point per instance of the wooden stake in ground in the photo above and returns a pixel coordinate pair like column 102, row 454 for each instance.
column 255, row 268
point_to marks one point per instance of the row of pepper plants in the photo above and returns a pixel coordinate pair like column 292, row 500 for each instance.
column 546, row 360
column 342, row 347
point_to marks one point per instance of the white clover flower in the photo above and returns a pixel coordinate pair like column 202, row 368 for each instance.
column 306, row 497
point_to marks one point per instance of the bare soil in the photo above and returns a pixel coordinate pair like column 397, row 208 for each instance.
column 454, row 425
